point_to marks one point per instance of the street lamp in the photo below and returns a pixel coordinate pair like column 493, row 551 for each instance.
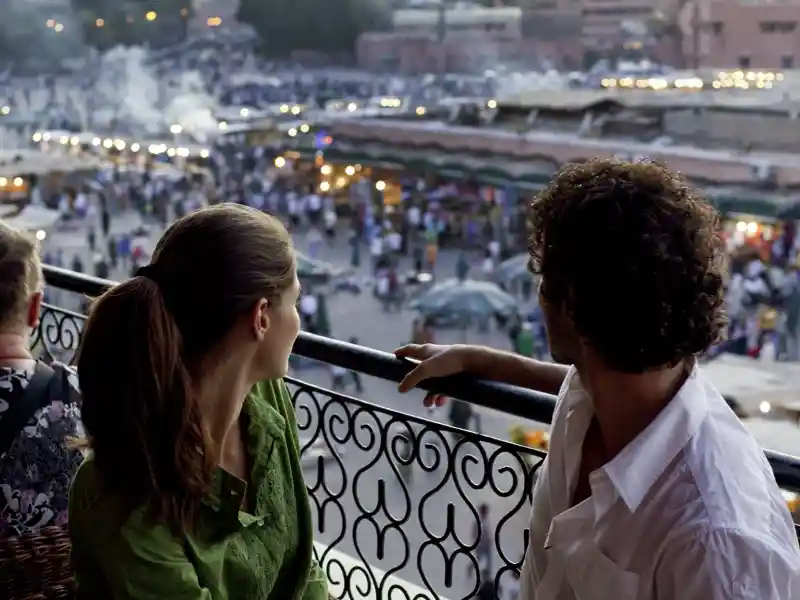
column 151, row 15
column 58, row 28
column 175, row 129
column 99, row 23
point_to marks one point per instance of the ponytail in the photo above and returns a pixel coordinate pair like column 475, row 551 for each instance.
column 139, row 407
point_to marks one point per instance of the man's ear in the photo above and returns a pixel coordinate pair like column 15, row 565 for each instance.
column 34, row 309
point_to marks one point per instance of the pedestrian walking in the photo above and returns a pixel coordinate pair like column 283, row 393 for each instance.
column 355, row 375
column 105, row 222
column 484, row 534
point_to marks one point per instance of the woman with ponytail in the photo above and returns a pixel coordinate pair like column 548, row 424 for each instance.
column 193, row 486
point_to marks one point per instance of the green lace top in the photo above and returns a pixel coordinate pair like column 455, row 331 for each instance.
column 265, row 554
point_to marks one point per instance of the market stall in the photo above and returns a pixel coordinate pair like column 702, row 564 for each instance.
column 38, row 220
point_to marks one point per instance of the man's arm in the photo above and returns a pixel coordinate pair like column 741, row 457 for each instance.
column 722, row 564
column 484, row 363
column 514, row 369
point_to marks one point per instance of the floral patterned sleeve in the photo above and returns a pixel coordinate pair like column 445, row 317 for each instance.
column 37, row 470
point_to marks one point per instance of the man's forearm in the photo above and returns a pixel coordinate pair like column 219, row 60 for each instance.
column 505, row 367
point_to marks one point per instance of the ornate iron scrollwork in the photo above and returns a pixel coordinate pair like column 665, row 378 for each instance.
column 57, row 335
column 401, row 493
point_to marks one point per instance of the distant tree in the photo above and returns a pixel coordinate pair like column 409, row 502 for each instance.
column 106, row 24
column 24, row 34
column 327, row 26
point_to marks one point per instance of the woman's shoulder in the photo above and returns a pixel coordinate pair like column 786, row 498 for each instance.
column 270, row 407
column 91, row 505
column 68, row 379
column 39, row 463
column 102, row 521
column 86, row 491
column 59, row 417
column 272, row 392
column 95, row 510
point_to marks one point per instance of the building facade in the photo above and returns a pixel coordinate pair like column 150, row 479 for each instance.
column 633, row 28
column 553, row 30
column 473, row 39
column 557, row 33
column 569, row 34
column 746, row 34
column 428, row 40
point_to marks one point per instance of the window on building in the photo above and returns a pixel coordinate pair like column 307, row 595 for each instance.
column 787, row 62
column 717, row 27
column 778, row 26
column 618, row 11
column 744, row 62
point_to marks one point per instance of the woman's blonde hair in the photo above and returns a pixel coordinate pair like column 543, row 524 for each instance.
column 20, row 274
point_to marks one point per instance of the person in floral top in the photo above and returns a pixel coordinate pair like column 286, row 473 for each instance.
column 37, row 464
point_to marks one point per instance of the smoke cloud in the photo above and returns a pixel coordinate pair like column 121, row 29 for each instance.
column 128, row 97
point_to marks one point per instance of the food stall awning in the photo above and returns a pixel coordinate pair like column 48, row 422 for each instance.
column 752, row 383
column 777, row 435
column 33, row 218
column 23, row 163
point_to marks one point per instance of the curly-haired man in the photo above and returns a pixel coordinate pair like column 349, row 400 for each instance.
column 652, row 489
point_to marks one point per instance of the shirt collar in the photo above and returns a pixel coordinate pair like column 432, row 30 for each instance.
column 636, row 469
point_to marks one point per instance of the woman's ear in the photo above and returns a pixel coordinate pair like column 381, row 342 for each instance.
column 259, row 318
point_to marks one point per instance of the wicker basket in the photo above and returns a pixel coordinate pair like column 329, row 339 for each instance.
column 37, row 566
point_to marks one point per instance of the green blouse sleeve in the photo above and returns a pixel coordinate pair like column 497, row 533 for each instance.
column 317, row 587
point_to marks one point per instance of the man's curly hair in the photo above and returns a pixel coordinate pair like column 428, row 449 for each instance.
column 634, row 255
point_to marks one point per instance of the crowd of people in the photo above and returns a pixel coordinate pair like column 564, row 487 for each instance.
column 175, row 465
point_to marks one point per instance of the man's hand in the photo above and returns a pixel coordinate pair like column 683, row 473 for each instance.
column 435, row 361
column 483, row 363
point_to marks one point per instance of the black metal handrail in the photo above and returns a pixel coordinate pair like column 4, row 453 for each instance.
column 519, row 402
column 516, row 401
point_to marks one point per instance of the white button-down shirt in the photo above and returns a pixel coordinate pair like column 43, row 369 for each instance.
column 689, row 510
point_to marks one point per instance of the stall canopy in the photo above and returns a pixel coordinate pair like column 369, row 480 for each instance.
column 33, row 218
column 754, row 383
column 524, row 174
column 773, row 434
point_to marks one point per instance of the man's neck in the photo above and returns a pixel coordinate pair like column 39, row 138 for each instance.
column 14, row 347
column 625, row 404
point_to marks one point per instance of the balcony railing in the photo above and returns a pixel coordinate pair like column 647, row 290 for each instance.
column 396, row 492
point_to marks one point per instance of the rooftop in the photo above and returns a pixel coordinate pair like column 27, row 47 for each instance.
column 570, row 99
